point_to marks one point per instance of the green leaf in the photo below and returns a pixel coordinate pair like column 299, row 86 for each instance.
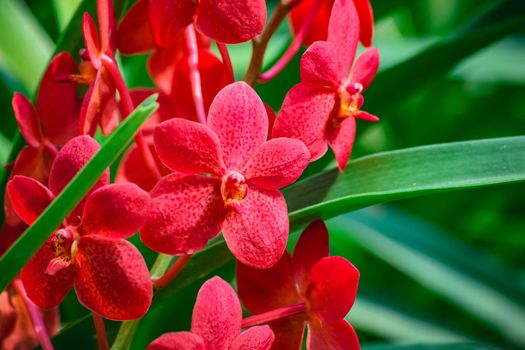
column 427, row 346
column 471, row 279
column 406, row 173
column 33, row 238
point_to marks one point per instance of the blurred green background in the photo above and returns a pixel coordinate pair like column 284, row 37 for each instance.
column 434, row 269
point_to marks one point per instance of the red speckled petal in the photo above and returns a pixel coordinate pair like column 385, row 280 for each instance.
column 365, row 68
column 267, row 289
column 188, row 147
column 168, row 18
column 116, row 211
column 277, row 163
column 311, row 247
column 112, row 278
column 217, row 314
column 68, row 162
column 319, row 29
column 341, row 140
column 44, row 290
column 89, row 30
column 257, row 234
column 254, row 338
column 271, row 119
column 238, row 117
column 186, row 211
column 319, row 64
column 58, row 104
column 366, row 21
column 331, row 336
column 304, row 115
column 27, row 119
column 213, row 79
column 343, row 32
column 28, row 197
column 134, row 33
column 177, row 341
column 240, row 20
column 332, row 288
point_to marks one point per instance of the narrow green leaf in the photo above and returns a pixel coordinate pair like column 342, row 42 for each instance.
column 407, row 173
column 22, row 250
column 427, row 346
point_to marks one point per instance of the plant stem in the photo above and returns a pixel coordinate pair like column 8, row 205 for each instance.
column 226, row 60
column 173, row 272
column 195, row 76
column 294, row 46
column 101, row 332
column 36, row 317
column 273, row 315
column 127, row 106
column 129, row 328
column 261, row 43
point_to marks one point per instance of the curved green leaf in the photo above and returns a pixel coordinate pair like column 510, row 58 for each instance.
column 22, row 250
column 406, row 173
column 427, row 346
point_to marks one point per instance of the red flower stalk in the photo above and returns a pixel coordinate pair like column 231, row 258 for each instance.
column 319, row 30
column 216, row 324
column 309, row 288
column 226, row 21
column 322, row 109
column 47, row 127
column 89, row 250
column 240, row 197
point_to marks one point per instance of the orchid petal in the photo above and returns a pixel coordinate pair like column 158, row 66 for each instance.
column 186, row 211
column 27, row 120
column 240, row 20
column 188, row 147
column 238, row 117
column 365, row 68
column 331, row 336
column 217, row 314
column 44, row 290
column 332, row 288
column 257, row 233
column 134, row 34
column 319, row 28
column 366, row 21
column 89, row 29
column 29, row 197
column 112, row 278
column 289, row 333
column 341, row 140
column 319, row 64
column 254, row 338
column 116, row 211
column 161, row 67
column 343, row 33
column 277, row 163
column 168, row 17
column 305, row 112
column 106, row 23
column 178, row 341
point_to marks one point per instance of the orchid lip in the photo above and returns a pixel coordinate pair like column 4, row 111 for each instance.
column 233, row 189
column 64, row 246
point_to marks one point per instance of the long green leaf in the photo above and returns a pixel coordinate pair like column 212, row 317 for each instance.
column 427, row 346
column 22, row 250
column 407, row 173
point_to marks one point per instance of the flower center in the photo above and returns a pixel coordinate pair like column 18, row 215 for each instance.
column 64, row 246
column 233, row 189
column 87, row 75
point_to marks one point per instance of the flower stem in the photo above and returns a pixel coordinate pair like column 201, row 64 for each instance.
column 101, row 332
column 195, row 76
column 261, row 43
column 36, row 317
column 127, row 106
column 294, row 46
column 273, row 315
column 173, row 272
column 226, row 60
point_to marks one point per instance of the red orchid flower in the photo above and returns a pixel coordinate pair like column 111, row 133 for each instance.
column 226, row 21
column 320, row 288
column 240, row 193
column 99, row 106
column 216, row 324
column 319, row 28
column 168, row 66
column 322, row 109
column 50, row 125
column 89, row 250
column 16, row 328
